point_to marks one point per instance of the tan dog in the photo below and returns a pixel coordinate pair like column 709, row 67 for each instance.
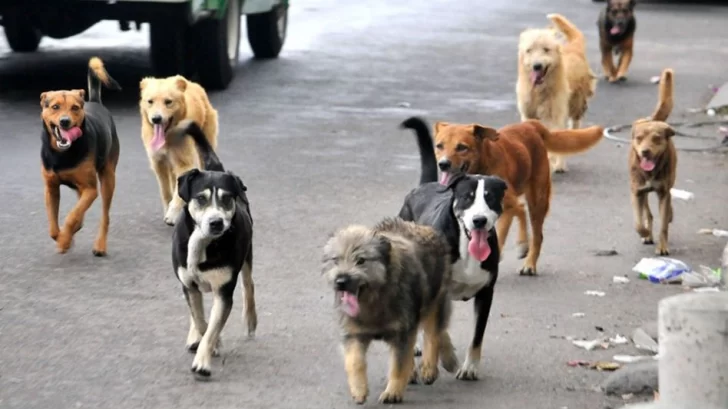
column 163, row 103
column 518, row 154
column 653, row 166
column 554, row 80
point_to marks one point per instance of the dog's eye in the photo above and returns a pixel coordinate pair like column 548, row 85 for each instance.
column 528, row 51
column 201, row 199
column 461, row 148
column 56, row 107
column 546, row 50
column 439, row 146
column 168, row 102
column 75, row 108
column 150, row 101
column 359, row 261
column 227, row 201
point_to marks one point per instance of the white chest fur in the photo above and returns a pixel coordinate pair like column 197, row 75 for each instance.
column 467, row 276
column 208, row 280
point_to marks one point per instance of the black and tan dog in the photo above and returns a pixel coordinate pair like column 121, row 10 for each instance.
column 389, row 281
column 617, row 25
column 653, row 166
column 79, row 148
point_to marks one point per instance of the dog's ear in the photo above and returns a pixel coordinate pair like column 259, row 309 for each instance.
column 384, row 248
column 43, row 99
column 81, row 93
column 482, row 133
column 181, row 83
column 499, row 184
column 439, row 125
column 184, row 183
column 668, row 131
column 143, row 83
column 240, row 187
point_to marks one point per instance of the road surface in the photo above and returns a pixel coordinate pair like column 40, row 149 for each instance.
column 315, row 137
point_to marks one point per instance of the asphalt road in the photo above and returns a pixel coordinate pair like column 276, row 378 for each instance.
column 314, row 135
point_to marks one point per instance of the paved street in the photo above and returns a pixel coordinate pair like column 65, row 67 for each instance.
column 315, row 137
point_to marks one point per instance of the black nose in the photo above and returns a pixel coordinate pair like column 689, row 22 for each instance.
column 537, row 67
column 645, row 153
column 65, row 122
column 342, row 282
column 216, row 225
column 157, row 119
column 444, row 165
column 479, row 222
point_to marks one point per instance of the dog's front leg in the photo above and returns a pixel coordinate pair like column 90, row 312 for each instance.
column 74, row 220
column 165, row 180
column 355, row 364
column 665, row 201
column 401, row 364
column 483, row 302
column 222, row 304
column 639, row 203
column 610, row 72
column 52, row 202
column 198, row 325
column 624, row 60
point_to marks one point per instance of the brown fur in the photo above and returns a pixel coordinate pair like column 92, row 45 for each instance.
column 567, row 86
column 83, row 177
column 622, row 44
column 175, row 98
column 652, row 138
column 518, row 154
column 404, row 262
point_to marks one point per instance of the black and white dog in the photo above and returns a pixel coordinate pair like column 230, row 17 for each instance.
column 212, row 243
column 465, row 210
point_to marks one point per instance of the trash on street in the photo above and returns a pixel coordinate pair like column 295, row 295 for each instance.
column 660, row 269
column 595, row 293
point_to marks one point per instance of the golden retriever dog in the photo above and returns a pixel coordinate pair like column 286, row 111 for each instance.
column 163, row 103
column 555, row 81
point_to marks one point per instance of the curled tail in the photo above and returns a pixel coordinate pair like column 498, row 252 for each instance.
column 665, row 96
column 572, row 33
column 428, row 162
column 570, row 141
column 191, row 128
column 97, row 75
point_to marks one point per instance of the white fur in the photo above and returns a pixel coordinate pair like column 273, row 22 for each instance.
column 213, row 210
column 209, row 280
column 469, row 370
column 467, row 276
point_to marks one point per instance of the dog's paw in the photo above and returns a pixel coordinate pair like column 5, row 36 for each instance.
column 98, row 253
column 612, row 79
column 647, row 240
column 429, row 373
column 391, row 397
column 359, row 396
column 661, row 250
column 522, row 249
column 64, row 242
column 527, row 271
column 621, row 78
column 469, row 372
column 54, row 232
column 449, row 360
column 172, row 214
column 192, row 347
column 414, row 377
column 201, row 366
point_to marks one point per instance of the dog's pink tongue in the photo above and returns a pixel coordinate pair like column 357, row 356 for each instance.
column 646, row 164
column 158, row 139
column 349, row 304
column 614, row 31
column 478, row 246
column 534, row 77
column 444, row 178
column 71, row 134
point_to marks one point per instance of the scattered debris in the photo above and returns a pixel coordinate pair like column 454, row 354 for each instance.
column 644, row 342
column 590, row 345
column 598, row 328
column 705, row 277
column 618, row 340
column 627, row 396
column 714, row 232
column 578, row 362
column 404, row 104
column 682, row 194
column 578, row 315
column 595, row 293
column 620, row 280
column 605, row 366
column 606, row 253
column 638, row 378
column 706, row 290
column 628, row 359
column 655, row 79
column 710, row 112
column 660, row 269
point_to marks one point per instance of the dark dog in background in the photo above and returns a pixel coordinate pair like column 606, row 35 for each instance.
column 389, row 281
column 79, row 148
column 212, row 243
column 617, row 25
column 465, row 209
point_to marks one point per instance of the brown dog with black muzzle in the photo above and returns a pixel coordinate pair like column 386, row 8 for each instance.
column 518, row 154
column 79, row 146
column 617, row 26
column 653, row 166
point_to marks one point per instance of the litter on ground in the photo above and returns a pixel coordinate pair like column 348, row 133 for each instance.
column 595, row 293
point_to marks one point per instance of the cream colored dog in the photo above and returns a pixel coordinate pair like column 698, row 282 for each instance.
column 163, row 103
column 554, row 79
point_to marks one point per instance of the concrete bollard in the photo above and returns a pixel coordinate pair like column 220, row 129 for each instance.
column 693, row 340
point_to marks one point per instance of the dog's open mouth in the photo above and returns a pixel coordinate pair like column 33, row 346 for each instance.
column 478, row 246
column 65, row 137
column 647, row 164
column 158, row 139
column 537, row 77
column 446, row 176
column 349, row 302
column 615, row 30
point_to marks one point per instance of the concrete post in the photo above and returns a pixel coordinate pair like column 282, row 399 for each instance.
column 693, row 339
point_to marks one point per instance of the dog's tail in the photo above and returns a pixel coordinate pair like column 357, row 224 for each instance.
column 570, row 141
column 97, row 76
column 665, row 98
column 191, row 128
column 572, row 33
column 427, row 149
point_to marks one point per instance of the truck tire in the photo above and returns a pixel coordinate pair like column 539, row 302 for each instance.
column 267, row 32
column 21, row 35
column 170, row 50
column 218, row 47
